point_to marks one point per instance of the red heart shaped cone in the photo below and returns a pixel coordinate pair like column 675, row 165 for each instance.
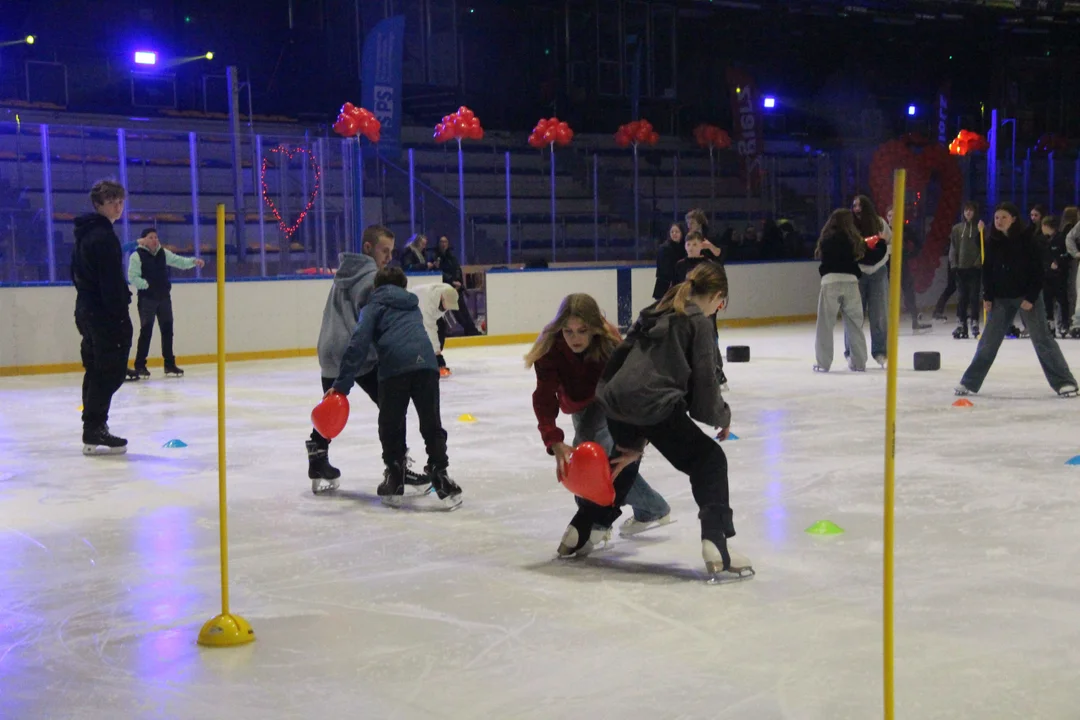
column 330, row 415
column 588, row 475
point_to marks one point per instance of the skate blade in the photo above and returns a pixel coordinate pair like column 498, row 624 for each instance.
column 719, row 576
column 322, row 486
column 423, row 502
column 174, row 375
column 95, row 450
column 646, row 527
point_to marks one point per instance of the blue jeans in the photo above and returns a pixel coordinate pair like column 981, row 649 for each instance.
column 874, row 289
column 591, row 425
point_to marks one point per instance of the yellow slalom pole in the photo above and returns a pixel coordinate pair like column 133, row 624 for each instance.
column 226, row 629
column 899, row 180
column 982, row 258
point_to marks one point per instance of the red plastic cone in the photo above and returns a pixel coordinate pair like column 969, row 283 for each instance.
column 588, row 474
column 330, row 415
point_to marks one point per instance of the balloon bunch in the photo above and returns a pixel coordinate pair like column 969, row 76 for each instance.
column 968, row 142
column 551, row 131
column 638, row 132
column 711, row 136
column 354, row 121
column 462, row 125
column 1051, row 142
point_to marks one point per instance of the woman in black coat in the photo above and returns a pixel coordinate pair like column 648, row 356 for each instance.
column 447, row 262
column 670, row 253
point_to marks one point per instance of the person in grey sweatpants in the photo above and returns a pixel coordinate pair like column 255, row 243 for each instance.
column 840, row 248
column 1012, row 283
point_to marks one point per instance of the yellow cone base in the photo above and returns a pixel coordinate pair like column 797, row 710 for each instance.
column 226, row 631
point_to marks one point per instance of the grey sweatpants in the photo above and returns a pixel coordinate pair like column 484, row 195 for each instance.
column 1001, row 318
column 843, row 297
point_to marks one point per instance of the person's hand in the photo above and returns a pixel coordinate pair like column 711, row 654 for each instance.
column 988, row 305
column 562, row 452
column 1053, row 265
column 430, row 266
column 1026, row 305
column 330, row 392
column 199, row 262
column 711, row 248
column 982, row 226
column 723, row 434
column 625, row 459
column 456, row 284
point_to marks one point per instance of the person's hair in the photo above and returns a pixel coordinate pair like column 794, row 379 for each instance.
column 1009, row 208
column 416, row 239
column 707, row 279
column 842, row 222
column 682, row 233
column 694, row 235
column 373, row 234
column 972, row 206
column 868, row 222
column 1069, row 216
column 105, row 191
column 391, row 276
column 1040, row 208
column 585, row 308
column 147, row 232
column 1049, row 221
column 697, row 215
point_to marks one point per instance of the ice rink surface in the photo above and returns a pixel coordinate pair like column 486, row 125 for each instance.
column 110, row 564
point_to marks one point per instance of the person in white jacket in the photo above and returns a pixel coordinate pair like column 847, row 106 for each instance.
column 436, row 300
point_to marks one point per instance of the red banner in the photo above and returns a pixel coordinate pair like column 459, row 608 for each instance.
column 748, row 124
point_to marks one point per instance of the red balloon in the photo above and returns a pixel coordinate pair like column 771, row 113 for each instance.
column 550, row 135
column 346, row 126
column 562, row 135
column 588, row 474
column 330, row 415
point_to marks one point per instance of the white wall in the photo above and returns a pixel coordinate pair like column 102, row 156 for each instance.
column 37, row 326
column 524, row 301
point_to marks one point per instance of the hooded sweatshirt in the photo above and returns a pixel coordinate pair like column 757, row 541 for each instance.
column 390, row 321
column 430, row 298
column 1014, row 265
column 965, row 252
column 349, row 293
column 97, row 270
column 668, row 363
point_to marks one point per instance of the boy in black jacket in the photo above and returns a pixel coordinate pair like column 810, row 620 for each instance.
column 1056, row 280
column 101, row 314
column 1013, row 282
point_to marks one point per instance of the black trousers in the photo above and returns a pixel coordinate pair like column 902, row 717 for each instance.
column 947, row 293
column 369, row 383
column 104, row 350
column 149, row 310
column 441, row 326
column 1056, row 289
column 422, row 388
column 689, row 450
column 969, row 285
column 462, row 316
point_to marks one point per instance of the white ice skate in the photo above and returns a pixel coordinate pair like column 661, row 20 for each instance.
column 598, row 539
column 633, row 526
column 880, row 360
column 738, row 566
column 1067, row 391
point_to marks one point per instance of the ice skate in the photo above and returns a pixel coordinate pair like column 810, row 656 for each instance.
column 141, row 371
column 961, row 331
column 1074, row 333
column 172, row 371
column 881, row 360
column 820, row 369
column 1067, row 391
column 853, row 367
column 572, row 545
column 132, row 376
column 99, row 441
column 323, row 475
column 1013, row 332
column 961, row 390
column 918, row 327
column 1063, row 331
column 415, row 479
column 445, row 489
column 633, row 526
column 940, row 316
column 724, row 566
column 975, row 330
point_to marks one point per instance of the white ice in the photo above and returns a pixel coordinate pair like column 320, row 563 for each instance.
column 110, row 564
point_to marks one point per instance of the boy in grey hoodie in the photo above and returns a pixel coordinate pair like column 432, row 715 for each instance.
column 349, row 293
column 965, row 255
column 662, row 378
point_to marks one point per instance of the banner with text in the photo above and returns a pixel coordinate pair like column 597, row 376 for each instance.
column 748, row 128
column 380, row 86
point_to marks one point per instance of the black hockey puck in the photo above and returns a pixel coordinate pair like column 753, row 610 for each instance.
column 738, row 353
column 927, row 361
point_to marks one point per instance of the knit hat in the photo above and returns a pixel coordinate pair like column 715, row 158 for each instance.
column 449, row 297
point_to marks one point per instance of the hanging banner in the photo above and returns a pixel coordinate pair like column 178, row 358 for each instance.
column 943, row 115
column 380, row 85
column 748, row 125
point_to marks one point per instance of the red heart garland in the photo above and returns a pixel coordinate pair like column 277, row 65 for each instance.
column 290, row 153
column 934, row 159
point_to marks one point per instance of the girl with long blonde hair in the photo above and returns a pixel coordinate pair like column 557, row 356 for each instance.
column 569, row 357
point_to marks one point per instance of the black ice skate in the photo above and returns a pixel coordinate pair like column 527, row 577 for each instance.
column 141, row 371
column 392, row 489
column 172, row 371
column 444, row 488
column 1013, row 332
column 414, row 478
column 132, row 376
column 961, row 331
column 1074, row 333
column 724, row 566
column 323, row 475
column 975, row 330
column 919, row 327
column 99, row 441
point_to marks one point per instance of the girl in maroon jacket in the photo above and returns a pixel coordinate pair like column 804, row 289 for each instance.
column 569, row 357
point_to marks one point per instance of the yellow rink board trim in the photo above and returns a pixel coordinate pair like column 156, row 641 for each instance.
column 454, row 342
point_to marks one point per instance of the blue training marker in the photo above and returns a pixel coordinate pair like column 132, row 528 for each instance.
column 1074, row 460
column 732, row 436
column 175, row 444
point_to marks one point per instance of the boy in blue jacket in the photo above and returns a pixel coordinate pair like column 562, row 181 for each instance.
column 392, row 322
